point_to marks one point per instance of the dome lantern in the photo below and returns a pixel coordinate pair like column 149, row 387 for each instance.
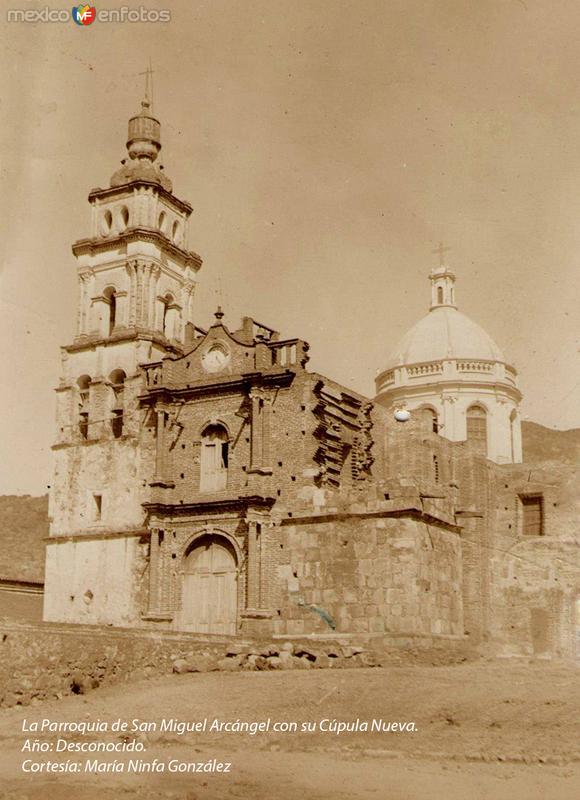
column 442, row 282
column 442, row 288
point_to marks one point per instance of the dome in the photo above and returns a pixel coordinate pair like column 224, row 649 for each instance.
column 444, row 333
column 140, row 170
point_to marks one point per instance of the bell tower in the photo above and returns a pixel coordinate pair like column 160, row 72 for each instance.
column 136, row 281
column 136, row 275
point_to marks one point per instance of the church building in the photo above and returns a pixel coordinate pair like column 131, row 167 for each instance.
column 207, row 481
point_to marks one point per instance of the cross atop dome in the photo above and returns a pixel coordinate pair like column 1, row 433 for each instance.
column 440, row 251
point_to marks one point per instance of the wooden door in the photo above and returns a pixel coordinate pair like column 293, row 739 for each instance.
column 209, row 601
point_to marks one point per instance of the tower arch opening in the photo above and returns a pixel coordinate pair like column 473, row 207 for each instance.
column 117, row 381
column 106, row 222
column 110, row 295
column 124, row 218
column 169, row 316
column 84, row 384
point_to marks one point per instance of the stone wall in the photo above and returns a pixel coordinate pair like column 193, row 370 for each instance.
column 536, row 579
column 46, row 661
column 394, row 575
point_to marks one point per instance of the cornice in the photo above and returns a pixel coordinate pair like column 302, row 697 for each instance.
column 240, row 503
column 97, row 193
column 233, row 384
column 93, row 246
column 418, row 388
column 128, row 335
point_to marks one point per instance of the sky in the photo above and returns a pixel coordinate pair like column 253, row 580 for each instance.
column 327, row 147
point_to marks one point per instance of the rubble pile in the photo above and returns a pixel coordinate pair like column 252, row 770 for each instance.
column 280, row 656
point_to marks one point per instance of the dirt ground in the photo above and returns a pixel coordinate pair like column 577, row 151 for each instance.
column 485, row 731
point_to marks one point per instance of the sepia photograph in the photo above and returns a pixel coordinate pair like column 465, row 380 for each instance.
column 290, row 319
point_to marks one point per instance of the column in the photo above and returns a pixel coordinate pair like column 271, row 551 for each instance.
column 164, row 574
column 256, row 434
column 260, row 435
column 253, row 576
column 139, row 294
column 145, row 289
column 160, row 451
column 261, row 566
column 82, row 300
column 132, row 270
column 122, row 310
column 155, row 275
column 266, row 420
column 154, row 572
column 186, row 303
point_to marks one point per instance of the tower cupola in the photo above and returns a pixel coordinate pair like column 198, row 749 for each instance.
column 143, row 147
column 144, row 137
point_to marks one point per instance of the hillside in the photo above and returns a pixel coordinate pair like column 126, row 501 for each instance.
column 546, row 444
column 24, row 525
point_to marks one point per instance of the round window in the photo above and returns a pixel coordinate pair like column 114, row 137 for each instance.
column 215, row 358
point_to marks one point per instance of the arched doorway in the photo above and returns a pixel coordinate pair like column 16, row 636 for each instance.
column 210, row 594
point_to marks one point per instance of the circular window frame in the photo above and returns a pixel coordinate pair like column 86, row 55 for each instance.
column 215, row 347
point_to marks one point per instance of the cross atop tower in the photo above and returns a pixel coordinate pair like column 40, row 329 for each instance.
column 440, row 251
column 148, row 99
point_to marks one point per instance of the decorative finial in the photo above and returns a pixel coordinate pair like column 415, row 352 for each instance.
column 219, row 314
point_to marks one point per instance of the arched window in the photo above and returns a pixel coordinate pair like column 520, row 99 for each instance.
column 117, row 381
column 214, row 459
column 162, row 221
column 175, row 231
column 110, row 296
column 429, row 420
column 440, row 295
column 477, row 428
column 84, row 383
